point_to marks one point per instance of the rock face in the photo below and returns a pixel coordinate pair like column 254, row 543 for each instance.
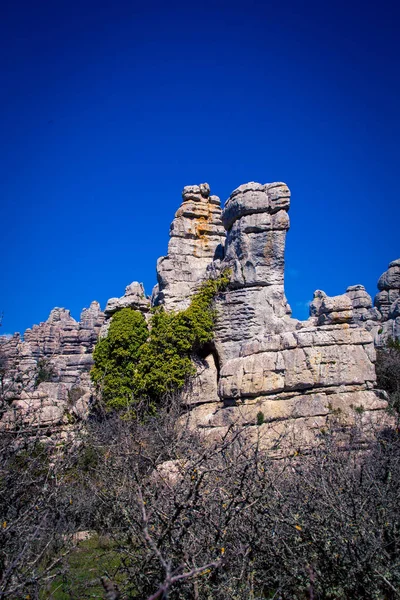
column 58, row 352
column 276, row 372
column 134, row 297
column 283, row 380
column 387, row 301
column 196, row 235
column 382, row 320
column 364, row 313
column 67, row 344
column 255, row 306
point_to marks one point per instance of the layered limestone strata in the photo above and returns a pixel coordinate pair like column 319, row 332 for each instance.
column 255, row 217
column 63, row 348
column 134, row 298
column 364, row 313
column 274, row 369
column 382, row 319
column 281, row 380
column 66, row 343
column 196, row 238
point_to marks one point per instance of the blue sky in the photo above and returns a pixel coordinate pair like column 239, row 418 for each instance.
column 109, row 108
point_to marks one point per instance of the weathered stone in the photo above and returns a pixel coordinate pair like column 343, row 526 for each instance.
column 282, row 381
column 61, row 346
column 134, row 297
column 204, row 386
column 331, row 310
column 387, row 303
column 363, row 311
column 265, row 354
column 196, row 238
column 255, row 305
column 390, row 279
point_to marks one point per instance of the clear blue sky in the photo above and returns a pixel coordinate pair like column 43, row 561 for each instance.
column 109, row 108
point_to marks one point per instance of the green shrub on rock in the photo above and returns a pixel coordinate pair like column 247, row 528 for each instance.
column 135, row 362
column 116, row 357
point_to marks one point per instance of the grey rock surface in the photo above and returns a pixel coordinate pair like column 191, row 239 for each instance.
column 299, row 375
column 134, row 297
column 196, row 239
column 255, row 305
column 331, row 310
column 64, row 348
column 387, row 303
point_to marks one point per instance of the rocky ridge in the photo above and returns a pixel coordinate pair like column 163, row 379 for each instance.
column 276, row 372
column 58, row 353
column 265, row 370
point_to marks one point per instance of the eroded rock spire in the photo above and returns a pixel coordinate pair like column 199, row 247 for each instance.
column 196, row 239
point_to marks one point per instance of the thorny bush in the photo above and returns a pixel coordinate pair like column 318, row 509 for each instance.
column 209, row 521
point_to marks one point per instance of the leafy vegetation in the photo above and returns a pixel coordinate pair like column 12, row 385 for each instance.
column 116, row 357
column 135, row 362
column 44, row 371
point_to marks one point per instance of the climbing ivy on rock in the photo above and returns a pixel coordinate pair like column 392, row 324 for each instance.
column 136, row 361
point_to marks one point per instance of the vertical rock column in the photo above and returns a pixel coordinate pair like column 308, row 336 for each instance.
column 387, row 302
column 255, row 217
column 196, row 238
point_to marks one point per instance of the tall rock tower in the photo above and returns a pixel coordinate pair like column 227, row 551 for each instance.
column 256, row 219
column 196, row 239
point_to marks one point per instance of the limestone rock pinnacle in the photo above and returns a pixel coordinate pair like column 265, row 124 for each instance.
column 196, row 239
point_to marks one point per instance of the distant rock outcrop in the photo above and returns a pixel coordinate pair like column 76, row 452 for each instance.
column 382, row 319
column 47, row 373
column 364, row 313
column 134, row 297
column 387, row 301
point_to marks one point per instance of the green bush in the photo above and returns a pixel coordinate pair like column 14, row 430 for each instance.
column 45, row 371
column 116, row 357
column 260, row 418
column 135, row 362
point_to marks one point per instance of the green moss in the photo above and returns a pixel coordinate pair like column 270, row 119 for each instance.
column 135, row 362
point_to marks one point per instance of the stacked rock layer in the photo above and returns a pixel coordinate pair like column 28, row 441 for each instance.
column 47, row 381
column 196, row 239
column 283, row 380
column 276, row 372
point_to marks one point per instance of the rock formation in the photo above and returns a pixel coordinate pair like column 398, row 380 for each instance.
column 294, row 373
column 387, row 301
column 134, row 298
column 284, row 380
column 364, row 313
column 196, row 238
column 382, row 320
column 58, row 353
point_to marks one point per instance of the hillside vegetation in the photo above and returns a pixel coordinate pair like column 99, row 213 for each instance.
column 137, row 362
